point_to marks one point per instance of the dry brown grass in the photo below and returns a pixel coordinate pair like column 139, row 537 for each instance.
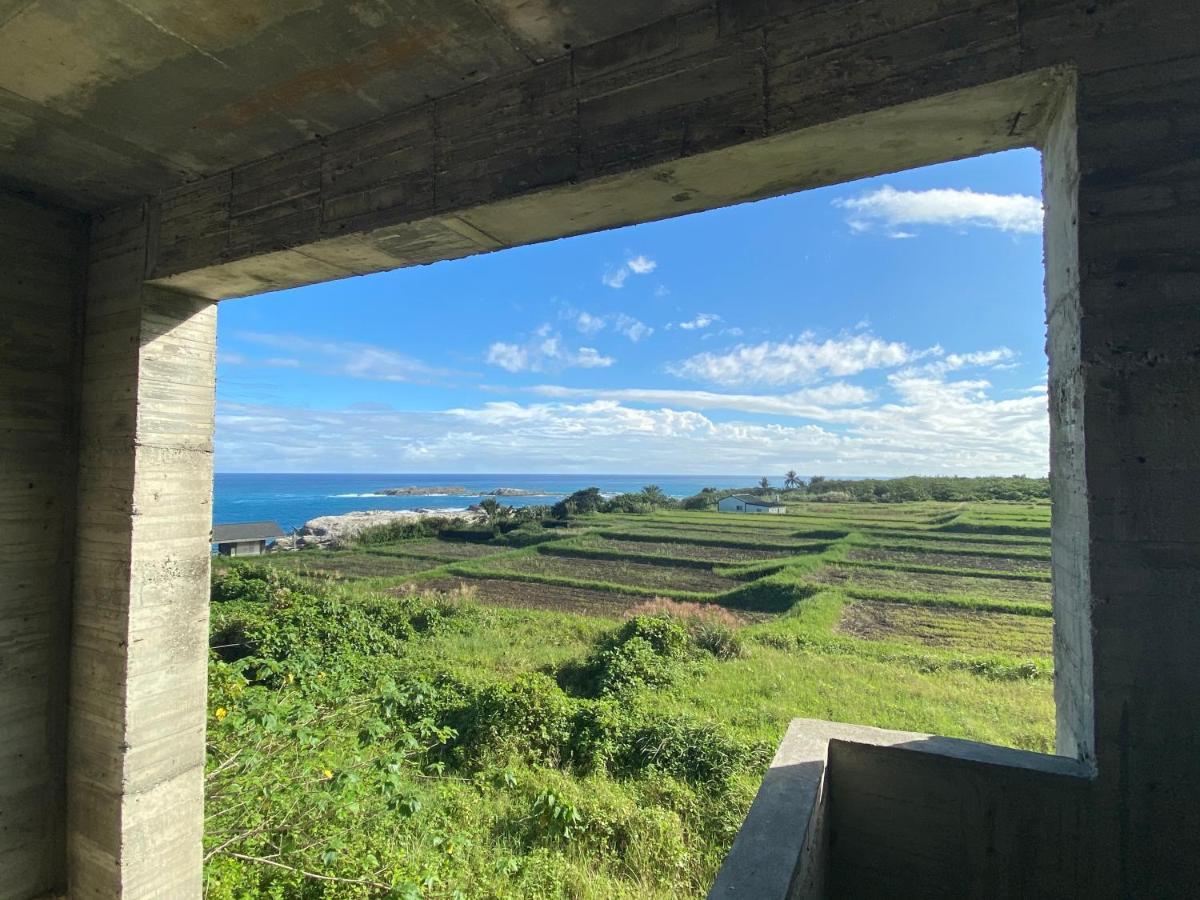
column 691, row 614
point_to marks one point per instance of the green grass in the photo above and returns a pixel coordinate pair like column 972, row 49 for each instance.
column 451, row 730
column 940, row 625
column 949, row 570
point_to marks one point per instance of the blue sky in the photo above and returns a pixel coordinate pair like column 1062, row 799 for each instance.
column 889, row 326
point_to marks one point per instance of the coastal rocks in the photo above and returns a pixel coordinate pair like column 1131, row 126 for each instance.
column 454, row 491
column 329, row 532
column 421, row 491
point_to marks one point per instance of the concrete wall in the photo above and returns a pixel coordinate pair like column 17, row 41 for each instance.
column 41, row 282
column 1138, row 329
column 139, row 634
column 727, row 102
column 933, row 817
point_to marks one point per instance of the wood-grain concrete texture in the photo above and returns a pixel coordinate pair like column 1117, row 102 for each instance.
column 225, row 149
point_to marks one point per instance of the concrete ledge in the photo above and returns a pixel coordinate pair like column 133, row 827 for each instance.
column 782, row 850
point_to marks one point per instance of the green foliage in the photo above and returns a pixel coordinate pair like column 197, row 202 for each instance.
column 418, row 746
column 580, row 503
column 335, row 749
column 892, row 490
column 590, row 500
column 644, row 652
column 391, row 532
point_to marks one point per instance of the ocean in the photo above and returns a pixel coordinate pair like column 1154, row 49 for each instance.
column 291, row 500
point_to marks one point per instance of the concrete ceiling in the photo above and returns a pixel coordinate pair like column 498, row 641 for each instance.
column 104, row 100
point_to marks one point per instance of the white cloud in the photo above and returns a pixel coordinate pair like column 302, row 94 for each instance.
column 508, row 356
column 893, row 210
column 928, row 426
column 998, row 358
column 544, row 352
column 810, row 403
column 796, row 362
column 631, row 327
column 702, row 320
column 586, row 323
column 640, row 265
column 590, row 358
column 589, row 324
column 635, row 265
column 349, row 359
column 615, row 278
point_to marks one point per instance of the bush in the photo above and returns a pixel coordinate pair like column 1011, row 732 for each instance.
column 711, row 628
column 401, row 530
column 580, row 503
column 253, row 583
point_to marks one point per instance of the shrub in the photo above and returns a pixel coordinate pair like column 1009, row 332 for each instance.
column 254, row 583
column 711, row 628
column 645, row 651
column 831, row 497
column 580, row 503
column 401, row 530
column 688, row 749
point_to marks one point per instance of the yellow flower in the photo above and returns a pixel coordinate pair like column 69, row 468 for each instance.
column 328, row 773
column 221, row 713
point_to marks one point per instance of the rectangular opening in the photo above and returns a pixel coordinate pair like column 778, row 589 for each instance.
column 527, row 693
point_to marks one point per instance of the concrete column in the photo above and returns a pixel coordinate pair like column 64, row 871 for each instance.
column 1135, row 402
column 1073, row 692
column 42, row 263
column 139, row 634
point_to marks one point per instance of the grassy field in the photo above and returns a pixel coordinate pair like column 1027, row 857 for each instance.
column 439, row 718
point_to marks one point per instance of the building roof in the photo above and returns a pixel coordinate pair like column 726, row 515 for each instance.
column 245, row 531
column 754, row 501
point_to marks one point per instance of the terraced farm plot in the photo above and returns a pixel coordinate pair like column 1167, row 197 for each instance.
column 757, row 539
column 932, row 583
column 533, row 595
column 620, row 572
column 950, row 560
column 959, row 539
column 676, row 550
column 436, row 548
column 969, row 630
column 349, row 564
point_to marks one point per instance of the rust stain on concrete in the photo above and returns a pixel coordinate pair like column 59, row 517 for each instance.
column 343, row 77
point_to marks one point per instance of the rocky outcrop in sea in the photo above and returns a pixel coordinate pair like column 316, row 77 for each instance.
column 330, row 532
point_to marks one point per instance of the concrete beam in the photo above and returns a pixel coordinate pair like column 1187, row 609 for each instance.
column 139, row 633
column 698, row 111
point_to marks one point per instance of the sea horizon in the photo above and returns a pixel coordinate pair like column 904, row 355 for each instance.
column 292, row 498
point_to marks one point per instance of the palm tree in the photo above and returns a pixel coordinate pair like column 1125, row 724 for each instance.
column 494, row 511
column 654, row 495
column 791, row 480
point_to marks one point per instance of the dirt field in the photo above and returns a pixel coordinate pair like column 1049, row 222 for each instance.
column 951, row 560
column 350, row 564
column 434, row 548
column 528, row 595
column 948, row 628
column 930, row 583
column 646, row 575
column 683, row 551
